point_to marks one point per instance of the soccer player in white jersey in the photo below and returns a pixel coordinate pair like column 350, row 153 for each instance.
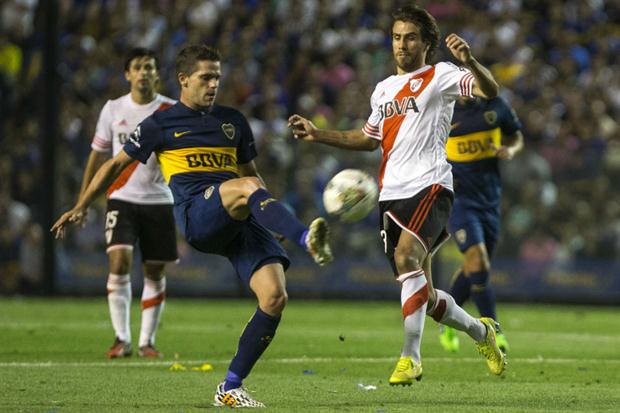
column 410, row 121
column 139, row 207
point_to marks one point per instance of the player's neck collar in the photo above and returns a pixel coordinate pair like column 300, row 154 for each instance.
column 195, row 111
column 417, row 71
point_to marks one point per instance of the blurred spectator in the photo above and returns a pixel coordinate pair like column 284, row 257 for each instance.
column 557, row 61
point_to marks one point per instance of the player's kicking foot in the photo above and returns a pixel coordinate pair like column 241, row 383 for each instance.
column 406, row 372
column 317, row 242
column 496, row 359
column 502, row 343
column 119, row 349
column 448, row 339
column 233, row 398
column 149, row 352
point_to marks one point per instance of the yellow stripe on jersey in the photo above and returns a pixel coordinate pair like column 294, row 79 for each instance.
column 473, row 146
column 209, row 159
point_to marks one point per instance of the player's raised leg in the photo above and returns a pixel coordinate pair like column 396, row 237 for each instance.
column 119, row 299
column 153, row 300
column 247, row 195
column 443, row 309
column 268, row 283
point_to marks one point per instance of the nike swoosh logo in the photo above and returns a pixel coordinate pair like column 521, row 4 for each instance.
column 455, row 125
column 179, row 134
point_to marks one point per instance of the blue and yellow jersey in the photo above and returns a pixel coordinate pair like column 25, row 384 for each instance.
column 194, row 149
column 476, row 125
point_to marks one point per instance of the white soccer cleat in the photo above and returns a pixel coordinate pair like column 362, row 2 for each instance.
column 234, row 398
column 317, row 242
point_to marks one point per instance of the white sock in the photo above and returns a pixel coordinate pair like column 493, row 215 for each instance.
column 446, row 311
column 119, row 301
column 153, row 297
column 413, row 299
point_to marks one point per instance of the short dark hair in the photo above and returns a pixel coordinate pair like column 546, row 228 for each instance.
column 140, row 52
column 424, row 20
column 190, row 55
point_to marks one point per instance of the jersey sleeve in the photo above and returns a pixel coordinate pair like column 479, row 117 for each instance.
column 246, row 149
column 509, row 123
column 144, row 140
column 372, row 128
column 102, row 141
column 455, row 81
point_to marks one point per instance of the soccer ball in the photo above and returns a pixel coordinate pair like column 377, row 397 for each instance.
column 350, row 195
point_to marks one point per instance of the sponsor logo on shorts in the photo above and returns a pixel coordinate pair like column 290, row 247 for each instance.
column 461, row 236
column 229, row 130
column 209, row 192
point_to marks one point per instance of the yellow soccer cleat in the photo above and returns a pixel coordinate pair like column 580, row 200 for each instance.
column 502, row 343
column 406, row 372
column 448, row 339
column 496, row 359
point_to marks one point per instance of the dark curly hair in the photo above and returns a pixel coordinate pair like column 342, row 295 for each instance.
column 425, row 22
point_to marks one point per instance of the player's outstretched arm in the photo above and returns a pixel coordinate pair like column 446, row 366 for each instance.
column 104, row 177
column 356, row 140
column 95, row 160
column 485, row 85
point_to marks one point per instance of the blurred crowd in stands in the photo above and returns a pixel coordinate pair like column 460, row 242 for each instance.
column 557, row 61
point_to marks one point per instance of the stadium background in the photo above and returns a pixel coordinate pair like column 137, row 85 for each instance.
column 556, row 61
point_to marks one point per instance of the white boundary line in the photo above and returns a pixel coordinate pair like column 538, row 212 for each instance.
column 301, row 360
column 211, row 327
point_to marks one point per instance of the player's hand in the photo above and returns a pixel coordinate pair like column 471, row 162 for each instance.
column 459, row 48
column 81, row 221
column 75, row 216
column 504, row 153
column 301, row 127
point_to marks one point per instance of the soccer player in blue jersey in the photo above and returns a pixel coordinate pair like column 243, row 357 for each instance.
column 221, row 206
column 483, row 132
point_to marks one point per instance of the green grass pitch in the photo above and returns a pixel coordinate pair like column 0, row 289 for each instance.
column 563, row 359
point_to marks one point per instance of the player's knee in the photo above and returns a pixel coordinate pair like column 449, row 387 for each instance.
column 274, row 302
column 476, row 261
column 154, row 272
column 406, row 262
column 250, row 184
column 120, row 267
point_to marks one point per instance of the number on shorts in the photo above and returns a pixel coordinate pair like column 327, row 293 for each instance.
column 110, row 219
column 110, row 222
column 384, row 238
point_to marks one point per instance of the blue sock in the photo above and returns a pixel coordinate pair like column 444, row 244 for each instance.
column 482, row 294
column 253, row 342
column 460, row 288
column 273, row 215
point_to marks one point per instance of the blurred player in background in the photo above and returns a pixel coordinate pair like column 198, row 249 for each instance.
column 139, row 207
column 483, row 132
column 206, row 154
column 410, row 121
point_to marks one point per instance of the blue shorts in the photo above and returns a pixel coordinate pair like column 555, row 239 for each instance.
column 469, row 226
column 207, row 227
